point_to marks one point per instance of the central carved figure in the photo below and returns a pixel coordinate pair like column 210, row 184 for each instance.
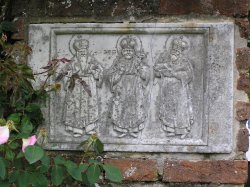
column 128, row 76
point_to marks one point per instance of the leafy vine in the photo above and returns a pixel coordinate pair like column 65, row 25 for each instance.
column 23, row 162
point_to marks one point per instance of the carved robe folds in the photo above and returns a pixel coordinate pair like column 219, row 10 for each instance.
column 128, row 80
column 175, row 85
column 81, row 110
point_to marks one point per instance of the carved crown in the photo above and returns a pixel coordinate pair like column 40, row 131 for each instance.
column 80, row 43
column 128, row 42
column 179, row 44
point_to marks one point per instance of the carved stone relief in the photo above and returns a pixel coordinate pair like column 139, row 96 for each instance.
column 80, row 110
column 128, row 76
column 150, row 85
column 175, row 97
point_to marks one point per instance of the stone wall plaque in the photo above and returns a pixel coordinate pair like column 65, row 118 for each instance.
column 165, row 87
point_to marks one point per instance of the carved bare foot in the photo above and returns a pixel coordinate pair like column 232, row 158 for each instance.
column 170, row 134
column 122, row 135
column 68, row 128
column 91, row 132
column 77, row 132
column 135, row 135
column 76, row 135
column 184, row 136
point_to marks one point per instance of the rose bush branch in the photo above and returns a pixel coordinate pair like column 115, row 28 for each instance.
column 22, row 161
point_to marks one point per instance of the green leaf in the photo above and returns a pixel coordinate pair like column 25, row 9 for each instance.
column 28, row 72
column 13, row 176
column 83, row 167
column 59, row 160
column 27, row 126
column 18, row 163
column 45, row 161
column 113, row 173
column 43, row 182
column 33, row 153
column 9, row 154
column 43, row 169
column 13, row 145
column 92, row 161
column 93, row 173
column 20, row 155
column 2, row 168
column 4, row 184
column 15, row 117
column 86, row 182
column 71, row 83
column 38, row 180
column 19, row 105
column 57, row 174
column 32, row 107
column 7, row 26
column 98, row 146
column 68, row 180
column 45, row 164
column 82, row 144
column 23, row 180
column 74, row 170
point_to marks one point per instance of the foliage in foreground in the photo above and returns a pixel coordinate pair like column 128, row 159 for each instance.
column 22, row 161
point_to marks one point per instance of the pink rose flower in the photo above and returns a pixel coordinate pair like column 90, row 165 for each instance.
column 28, row 142
column 4, row 134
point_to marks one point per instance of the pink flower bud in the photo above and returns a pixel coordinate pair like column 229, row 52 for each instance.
column 28, row 142
column 4, row 134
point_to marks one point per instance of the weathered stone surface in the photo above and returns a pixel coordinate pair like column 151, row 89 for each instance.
column 136, row 169
column 139, row 100
column 231, row 7
column 243, row 58
column 222, row 171
column 217, row 7
column 19, row 8
column 127, row 9
column 243, row 82
column 70, row 8
column 102, row 9
column 28, row 8
column 242, row 110
column 244, row 27
column 243, row 140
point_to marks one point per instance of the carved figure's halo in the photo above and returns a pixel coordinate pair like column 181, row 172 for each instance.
column 136, row 38
column 169, row 41
column 71, row 42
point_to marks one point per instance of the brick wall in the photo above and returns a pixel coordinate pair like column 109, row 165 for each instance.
column 162, row 167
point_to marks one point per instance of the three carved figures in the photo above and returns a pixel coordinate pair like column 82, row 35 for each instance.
column 129, row 77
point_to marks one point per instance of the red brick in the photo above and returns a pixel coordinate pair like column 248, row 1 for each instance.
column 244, row 27
column 178, row 7
column 136, row 169
column 20, row 29
column 243, row 82
column 219, row 171
column 242, row 110
column 241, row 8
column 230, row 7
column 243, row 140
column 243, row 58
